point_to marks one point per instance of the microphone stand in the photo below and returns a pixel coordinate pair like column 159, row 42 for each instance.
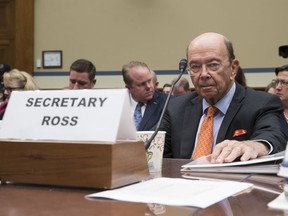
column 182, row 68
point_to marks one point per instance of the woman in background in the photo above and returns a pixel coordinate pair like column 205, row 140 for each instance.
column 18, row 81
column 270, row 88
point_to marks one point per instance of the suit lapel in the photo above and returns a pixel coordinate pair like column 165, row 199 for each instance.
column 149, row 111
column 231, row 112
column 284, row 124
column 192, row 116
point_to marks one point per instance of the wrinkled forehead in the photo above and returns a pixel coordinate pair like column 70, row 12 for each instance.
column 206, row 46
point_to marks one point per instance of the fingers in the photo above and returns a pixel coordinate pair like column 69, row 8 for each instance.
column 229, row 150
column 204, row 160
column 250, row 153
column 222, row 151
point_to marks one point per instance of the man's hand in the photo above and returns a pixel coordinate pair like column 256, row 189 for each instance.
column 229, row 150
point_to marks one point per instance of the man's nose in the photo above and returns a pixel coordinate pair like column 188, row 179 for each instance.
column 76, row 86
column 149, row 85
column 278, row 85
column 204, row 73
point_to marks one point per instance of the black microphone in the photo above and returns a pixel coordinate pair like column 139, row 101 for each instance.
column 182, row 68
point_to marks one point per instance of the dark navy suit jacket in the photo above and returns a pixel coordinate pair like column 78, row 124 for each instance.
column 253, row 113
column 284, row 125
column 153, row 112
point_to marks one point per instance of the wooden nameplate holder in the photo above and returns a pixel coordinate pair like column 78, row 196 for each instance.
column 69, row 163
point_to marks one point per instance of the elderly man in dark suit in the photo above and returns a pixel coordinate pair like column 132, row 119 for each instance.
column 246, row 122
column 140, row 81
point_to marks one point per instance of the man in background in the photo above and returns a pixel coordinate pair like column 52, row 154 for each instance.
column 82, row 75
column 181, row 87
column 240, row 77
column 243, row 123
column 146, row 102
column 281, row 90
column 270, row 88
column 166, row 88
column 155, row 80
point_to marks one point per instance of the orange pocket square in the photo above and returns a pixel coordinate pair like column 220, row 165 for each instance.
column 239, row 132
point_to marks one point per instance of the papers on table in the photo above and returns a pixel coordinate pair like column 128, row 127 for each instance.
column 283, row 171
column 281, row 202
column 175, row 191
column 267, row 164
column 264, row 182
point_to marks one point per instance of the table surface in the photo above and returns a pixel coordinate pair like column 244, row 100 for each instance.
column 27, row 199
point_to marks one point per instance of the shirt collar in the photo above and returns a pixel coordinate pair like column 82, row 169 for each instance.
column 134, row 103
column 223, row 104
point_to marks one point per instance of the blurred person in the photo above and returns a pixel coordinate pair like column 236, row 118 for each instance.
column 166, row 88
column 155, row 80
column 181, row 87
column 82, row 75
column 243, row 123
column 270, row 88
column 16, row 80
column 3, row 68
column 281, row 90
column 146, row 101
column 240, row 77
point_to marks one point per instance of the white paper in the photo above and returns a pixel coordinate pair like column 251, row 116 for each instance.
column 175, row 192
column 77, row 115
column 283, row 171
column 281, row 202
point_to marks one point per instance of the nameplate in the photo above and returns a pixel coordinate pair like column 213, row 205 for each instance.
column 81, row 115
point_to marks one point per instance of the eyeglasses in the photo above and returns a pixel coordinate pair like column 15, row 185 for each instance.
column 10, row 89
column 282, row 82
column 212, row 66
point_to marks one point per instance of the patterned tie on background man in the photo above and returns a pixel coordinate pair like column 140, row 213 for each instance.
column 205, row 139
column 138, row 115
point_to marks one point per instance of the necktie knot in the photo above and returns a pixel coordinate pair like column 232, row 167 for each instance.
column 211, row 111
column 140, row 104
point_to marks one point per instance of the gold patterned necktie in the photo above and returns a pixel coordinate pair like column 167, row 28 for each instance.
column 205, row 138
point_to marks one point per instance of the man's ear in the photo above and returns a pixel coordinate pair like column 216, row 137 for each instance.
column 128, row 87
column 94, row 82
column 234, row 66
column 156, row 85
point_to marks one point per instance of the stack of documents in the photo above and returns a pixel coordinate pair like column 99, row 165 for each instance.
column 265, row 165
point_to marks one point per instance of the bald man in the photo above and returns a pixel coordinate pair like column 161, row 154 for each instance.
column 246, row 123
